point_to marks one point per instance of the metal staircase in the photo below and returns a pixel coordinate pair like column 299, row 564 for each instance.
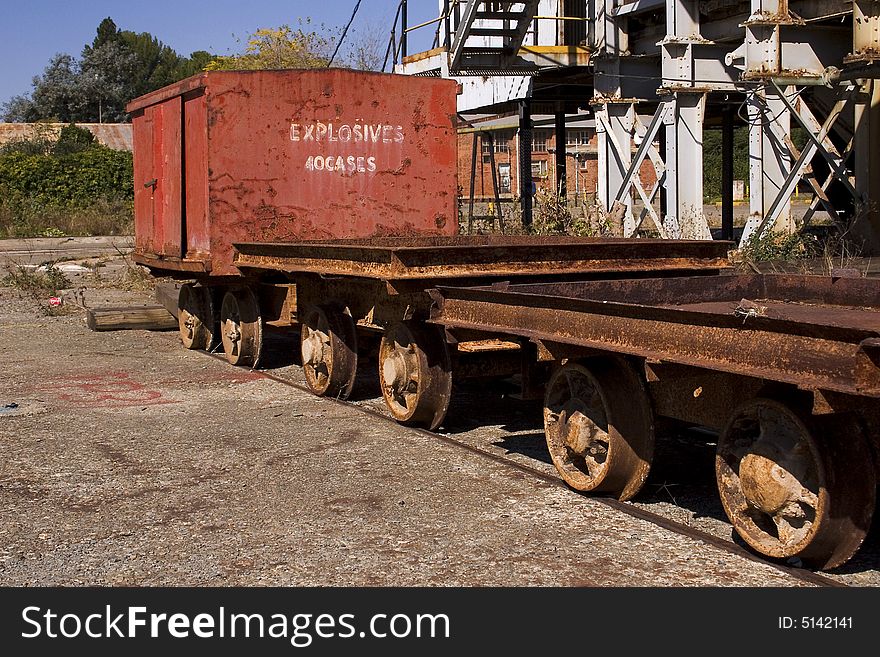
column 506, row 23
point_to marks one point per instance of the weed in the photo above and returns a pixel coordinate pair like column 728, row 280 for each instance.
column 133, row 276
column 551, row 215
column 38, row 282
column 778, row 248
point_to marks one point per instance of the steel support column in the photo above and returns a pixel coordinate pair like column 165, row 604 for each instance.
column 614, row 127
column 684, row 123
column 866, row 227
column 560, row 156
column 684, row 168
column 770, row 159
column 525, row 162
column 614, row 113
column 866, row 53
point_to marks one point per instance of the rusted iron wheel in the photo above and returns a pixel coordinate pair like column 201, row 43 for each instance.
column 241, row 327
column 795, row 485
column 328, row 343
column 415, row 373
column 196, row 317
column 599, row 426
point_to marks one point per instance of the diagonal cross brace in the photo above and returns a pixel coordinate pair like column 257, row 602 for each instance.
column 808, row 215
column 836, row 166
column 818, row 143
column 631, row 179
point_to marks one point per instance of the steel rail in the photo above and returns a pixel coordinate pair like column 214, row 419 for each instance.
column 629, row 509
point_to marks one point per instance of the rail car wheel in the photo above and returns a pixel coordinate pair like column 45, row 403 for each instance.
column 794, row 485
column 599, row 427
column 415, row 373
column 241, row 327
column 328, row 343
column 196, row 317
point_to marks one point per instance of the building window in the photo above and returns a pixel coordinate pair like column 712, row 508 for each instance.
column 539, row 169
column 539, row 141
column 501, row 142
column 582, row 164
column 577, row 137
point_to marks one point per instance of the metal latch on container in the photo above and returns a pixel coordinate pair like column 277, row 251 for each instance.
column 151, row 183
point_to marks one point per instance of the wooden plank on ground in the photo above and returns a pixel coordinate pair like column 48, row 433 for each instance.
column 149, row 318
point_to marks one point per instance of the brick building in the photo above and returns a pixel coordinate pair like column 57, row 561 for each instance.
column 498, row 138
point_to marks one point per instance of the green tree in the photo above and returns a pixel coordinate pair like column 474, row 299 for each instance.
column 59, row 94
column 117, row 66
column 107, row 72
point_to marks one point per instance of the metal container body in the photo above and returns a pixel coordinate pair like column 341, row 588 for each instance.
column 281, row 156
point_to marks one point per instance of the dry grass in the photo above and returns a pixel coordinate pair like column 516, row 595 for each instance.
column 38, row 282
column 41, row 284
column 103, row 217
column 133, row 277
column 551, row 215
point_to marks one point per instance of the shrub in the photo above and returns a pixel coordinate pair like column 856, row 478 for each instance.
column 74, row 139
column 780, row 247
column 78, row 187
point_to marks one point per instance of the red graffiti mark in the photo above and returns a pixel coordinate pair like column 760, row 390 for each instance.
column 109, row 390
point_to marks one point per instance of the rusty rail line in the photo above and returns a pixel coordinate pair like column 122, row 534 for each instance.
column 659, row 520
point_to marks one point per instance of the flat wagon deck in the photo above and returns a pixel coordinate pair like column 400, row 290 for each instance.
column 466, row 256
column 784, row 367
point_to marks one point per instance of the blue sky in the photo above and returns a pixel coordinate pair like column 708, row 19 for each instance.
column 32, row 31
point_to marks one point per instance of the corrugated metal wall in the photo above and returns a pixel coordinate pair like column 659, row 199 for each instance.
column 113, row 135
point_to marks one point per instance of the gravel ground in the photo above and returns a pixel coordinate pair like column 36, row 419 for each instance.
column 131, row 461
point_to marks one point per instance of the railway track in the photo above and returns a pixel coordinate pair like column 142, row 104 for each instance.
column 629, row 508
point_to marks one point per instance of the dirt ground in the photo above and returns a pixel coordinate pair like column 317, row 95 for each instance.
column 128, row 460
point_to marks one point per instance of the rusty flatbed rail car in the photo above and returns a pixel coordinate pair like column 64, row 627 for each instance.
column 407, row 258
column 785, row 367
column 337, row 289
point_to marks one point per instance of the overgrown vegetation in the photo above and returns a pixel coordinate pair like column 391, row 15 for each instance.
column 67, row 186
column 553, row 214
column 39, row 282
column 780, row 247
column 803, row 252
